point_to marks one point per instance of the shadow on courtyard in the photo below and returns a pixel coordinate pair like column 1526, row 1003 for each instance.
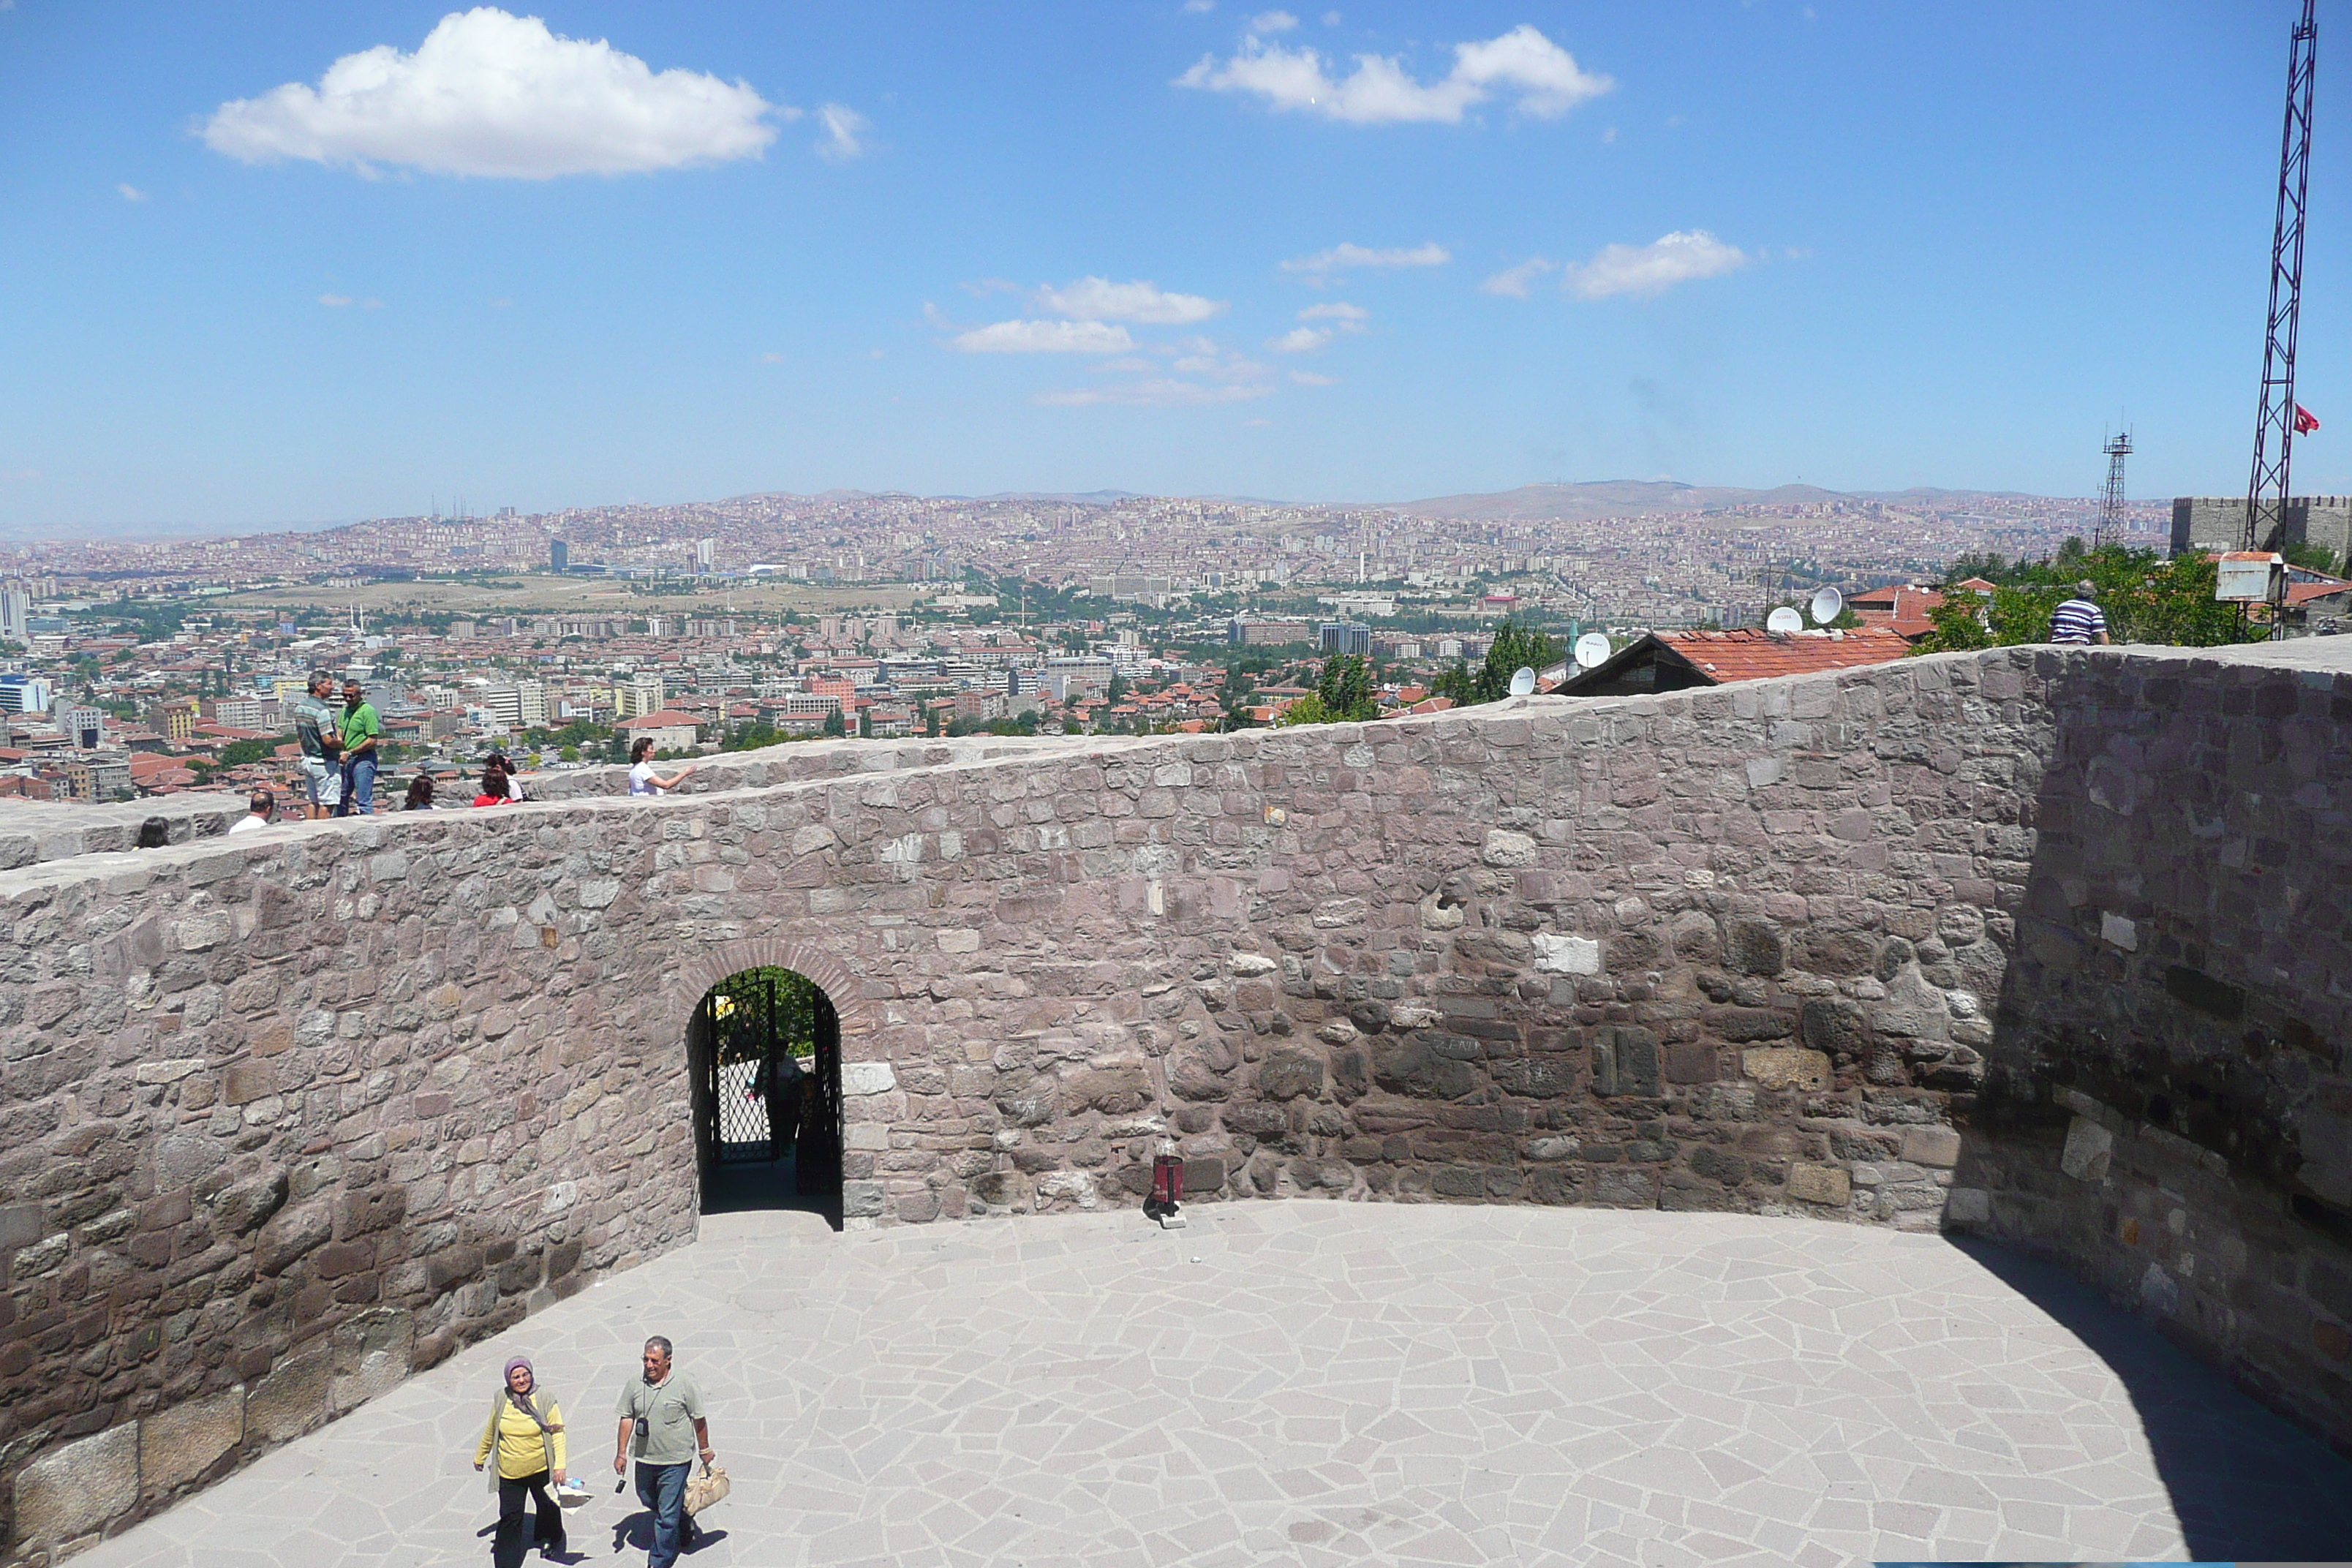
column 766, row 1184
column 2246, row 1483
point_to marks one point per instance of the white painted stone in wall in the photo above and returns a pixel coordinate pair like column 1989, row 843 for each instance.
column 868, row 1077
column 2115, row 930
column 1567, row 954
column 2089, row 1147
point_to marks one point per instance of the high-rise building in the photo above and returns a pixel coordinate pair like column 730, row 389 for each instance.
column 24, row 694
column 1345, row 637
column 521, row 706
column 637, row 696
column 706, row 554
column 16, row 612
column 84, row 728
column 558, row 555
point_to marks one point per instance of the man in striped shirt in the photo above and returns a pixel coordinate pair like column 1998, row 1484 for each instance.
column 2079, row 619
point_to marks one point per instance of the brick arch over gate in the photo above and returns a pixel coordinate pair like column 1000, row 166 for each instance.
column 688, row 984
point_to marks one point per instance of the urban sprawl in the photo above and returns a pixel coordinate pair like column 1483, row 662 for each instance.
column 132, row 667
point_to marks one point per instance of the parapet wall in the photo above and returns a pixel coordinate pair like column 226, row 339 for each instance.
column 284, row 1116
column 2170, row 1107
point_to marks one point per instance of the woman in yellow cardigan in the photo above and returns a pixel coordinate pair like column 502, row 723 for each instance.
column 528, row 1434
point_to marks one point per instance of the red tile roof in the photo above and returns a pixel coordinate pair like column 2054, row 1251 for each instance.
column 1758, row 654
column 1904, row 609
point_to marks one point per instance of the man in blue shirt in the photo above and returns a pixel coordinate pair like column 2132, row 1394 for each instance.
column 2079, row 619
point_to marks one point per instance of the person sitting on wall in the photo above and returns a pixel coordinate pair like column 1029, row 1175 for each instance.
column 643, row 780
column 420, row 793
column 259, row 811
column 514, row 784
column 2080, row 619
column 494, row 788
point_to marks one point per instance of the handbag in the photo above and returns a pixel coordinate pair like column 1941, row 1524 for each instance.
column 711, row 1486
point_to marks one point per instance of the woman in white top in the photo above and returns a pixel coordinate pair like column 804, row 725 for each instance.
column 643, row 780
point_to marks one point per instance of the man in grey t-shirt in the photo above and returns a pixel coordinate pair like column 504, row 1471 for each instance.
column 662, row 1409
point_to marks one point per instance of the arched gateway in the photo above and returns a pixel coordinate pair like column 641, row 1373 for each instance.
column 763, row 1063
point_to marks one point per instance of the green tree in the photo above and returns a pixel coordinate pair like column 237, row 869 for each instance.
column 751, row 737
column 1117, row 693
column 1515, row 647
column 2147, row 599
column 237, row 753
column 835, row 724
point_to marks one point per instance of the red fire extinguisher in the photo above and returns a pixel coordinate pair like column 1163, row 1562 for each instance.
column 1167, row 1198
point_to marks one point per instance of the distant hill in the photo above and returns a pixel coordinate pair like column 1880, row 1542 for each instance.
column 1650, row 498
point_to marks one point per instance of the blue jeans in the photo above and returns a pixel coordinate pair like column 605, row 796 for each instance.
column 662, row 1489
column 359, row 786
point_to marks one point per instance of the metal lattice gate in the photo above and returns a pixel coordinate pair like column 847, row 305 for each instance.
column 774, row 1085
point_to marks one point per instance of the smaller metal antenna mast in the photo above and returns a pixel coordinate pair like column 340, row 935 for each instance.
column 2266, row 493
column 2110, row 529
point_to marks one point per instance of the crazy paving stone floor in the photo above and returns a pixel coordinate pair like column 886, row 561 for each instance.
column 1311, row 1383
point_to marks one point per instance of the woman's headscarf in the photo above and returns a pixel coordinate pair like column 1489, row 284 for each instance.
column 522, row 1401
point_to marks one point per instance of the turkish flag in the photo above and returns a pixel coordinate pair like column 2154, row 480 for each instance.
column 2306, row 422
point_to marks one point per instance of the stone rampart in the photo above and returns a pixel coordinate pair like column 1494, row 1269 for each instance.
column 2168, row 1107
column 286, row 1115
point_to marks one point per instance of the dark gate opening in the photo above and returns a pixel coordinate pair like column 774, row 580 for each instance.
column 764, row 1049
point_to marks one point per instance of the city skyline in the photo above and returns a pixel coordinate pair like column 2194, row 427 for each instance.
column 1357, row 255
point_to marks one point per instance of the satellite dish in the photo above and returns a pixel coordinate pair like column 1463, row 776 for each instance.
column 1591, row 650
column 1826, row 605
column 1784, row 619
column 1523, row 681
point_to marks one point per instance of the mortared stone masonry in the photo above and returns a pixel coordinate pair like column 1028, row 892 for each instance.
column 2040, row 942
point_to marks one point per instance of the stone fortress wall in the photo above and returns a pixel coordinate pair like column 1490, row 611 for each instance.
column 2219, row 522
column 2168, row 1107
column 284, row 1116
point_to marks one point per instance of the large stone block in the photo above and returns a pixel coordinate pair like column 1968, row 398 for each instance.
column 1559, row 955
column 296, row 1396
column 1290, row 1074
column 2089, row 1147
column 1624, row 1061
column 179, row 1445
column 78, row 1489
column 1786, row 1066
column 1820, row 1185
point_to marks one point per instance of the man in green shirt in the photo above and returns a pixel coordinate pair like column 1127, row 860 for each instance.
column 360, row 728
column 663, row 1408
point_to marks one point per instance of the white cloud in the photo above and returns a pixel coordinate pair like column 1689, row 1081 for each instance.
column 1196, row 7
column 132, row 193
column 1273, row 22
column 1100, row 300
column 842, row 127
column 1044, row 337
column 1330, row 18
column 1161, row 393
column 1514, row 281
column 491, row 94
column 771, row 358
column 1308, row 378
column 1654, row 267
column 1344, row 255
column 335, row 301
column 1343, row 317
column 1540, row 77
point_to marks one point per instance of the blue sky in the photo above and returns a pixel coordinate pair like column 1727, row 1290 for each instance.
column 889, row 247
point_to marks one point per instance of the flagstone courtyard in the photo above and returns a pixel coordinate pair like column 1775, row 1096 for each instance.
column 1324, row 1383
